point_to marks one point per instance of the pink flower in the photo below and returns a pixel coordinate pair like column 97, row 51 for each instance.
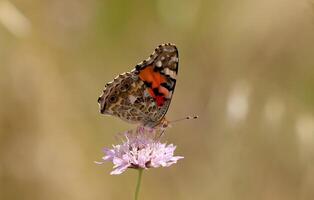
column 141, row 149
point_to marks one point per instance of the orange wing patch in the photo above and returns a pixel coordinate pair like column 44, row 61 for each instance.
column 154, row 80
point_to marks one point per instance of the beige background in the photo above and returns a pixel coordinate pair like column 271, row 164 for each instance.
column 246, row 68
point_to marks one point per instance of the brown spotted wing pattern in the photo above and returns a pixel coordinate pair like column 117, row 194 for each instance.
column 143, row 95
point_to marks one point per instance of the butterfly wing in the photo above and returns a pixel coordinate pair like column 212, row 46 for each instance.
column 144, row 94
column 159, row 73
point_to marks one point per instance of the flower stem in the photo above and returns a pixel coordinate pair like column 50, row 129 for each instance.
column 138, row 185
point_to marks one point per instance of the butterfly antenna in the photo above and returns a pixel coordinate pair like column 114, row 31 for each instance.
column 185, row 118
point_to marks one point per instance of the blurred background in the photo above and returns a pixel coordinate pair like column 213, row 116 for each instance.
column 246, row 68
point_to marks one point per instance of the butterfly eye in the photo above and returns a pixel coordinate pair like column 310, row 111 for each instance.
column 113, row 99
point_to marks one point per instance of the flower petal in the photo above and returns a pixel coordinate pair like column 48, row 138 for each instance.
column 140, row 149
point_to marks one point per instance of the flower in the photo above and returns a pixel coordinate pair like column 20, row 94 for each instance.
column 141, row 149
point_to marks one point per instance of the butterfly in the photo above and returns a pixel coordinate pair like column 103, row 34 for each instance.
column 143, row 95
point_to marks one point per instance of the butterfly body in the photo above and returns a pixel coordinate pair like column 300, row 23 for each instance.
column 143, row 95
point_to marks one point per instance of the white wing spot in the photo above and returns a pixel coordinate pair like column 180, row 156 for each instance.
column 158, row 63
column 174, row 59
column 132, row 99
column 169, row 72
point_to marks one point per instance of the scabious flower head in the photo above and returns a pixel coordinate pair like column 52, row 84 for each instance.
column 141, row 149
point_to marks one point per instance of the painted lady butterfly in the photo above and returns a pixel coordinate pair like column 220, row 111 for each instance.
column 143, row 95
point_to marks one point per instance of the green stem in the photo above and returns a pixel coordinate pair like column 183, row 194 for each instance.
column 138, row 185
